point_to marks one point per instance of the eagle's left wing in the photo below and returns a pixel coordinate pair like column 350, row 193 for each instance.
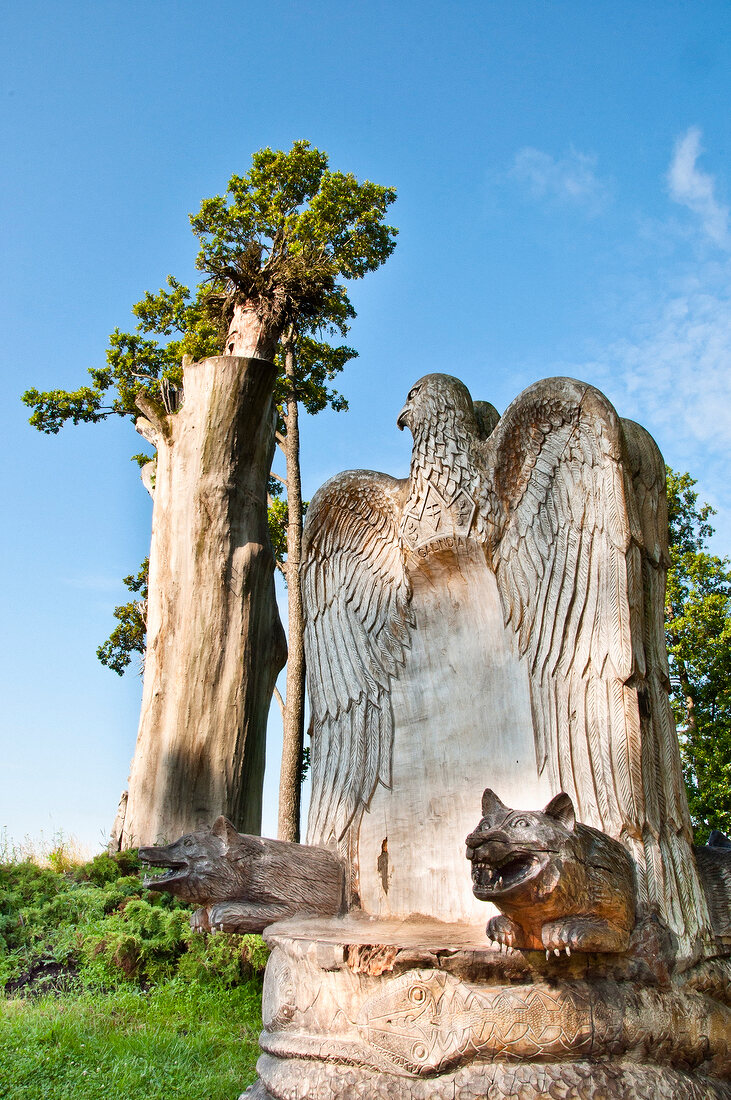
column 562, row 552
column 356, row 596
column 571, row 538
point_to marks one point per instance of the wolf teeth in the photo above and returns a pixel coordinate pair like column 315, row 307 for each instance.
column 488, row 876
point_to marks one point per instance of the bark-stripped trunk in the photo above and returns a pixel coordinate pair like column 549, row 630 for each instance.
column 690, row 718
column 253, row 332
column 215, row 643
column 294, row 709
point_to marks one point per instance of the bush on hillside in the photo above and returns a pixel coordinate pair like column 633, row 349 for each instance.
column 96, row 926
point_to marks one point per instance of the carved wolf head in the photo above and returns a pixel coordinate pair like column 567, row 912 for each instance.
column 513, row 851
column 203, row 867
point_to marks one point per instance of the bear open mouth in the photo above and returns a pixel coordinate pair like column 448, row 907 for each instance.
column 155, row 876
column 159, row 872
column 490, row 879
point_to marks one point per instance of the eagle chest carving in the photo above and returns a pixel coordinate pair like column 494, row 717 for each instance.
column 493, row 619
column 460, row 699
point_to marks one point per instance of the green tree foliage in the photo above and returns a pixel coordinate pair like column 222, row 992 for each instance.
column 698, row 630
column 286, row 233
column 171, row 324
column 285, row 236
column 129, row 636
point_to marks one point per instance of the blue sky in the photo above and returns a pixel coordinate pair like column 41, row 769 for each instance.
column 564, row 180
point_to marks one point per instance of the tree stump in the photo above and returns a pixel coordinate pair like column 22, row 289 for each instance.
column 215, row 641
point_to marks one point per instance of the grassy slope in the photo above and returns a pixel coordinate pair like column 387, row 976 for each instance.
column 108, row 994
column 176, row 1040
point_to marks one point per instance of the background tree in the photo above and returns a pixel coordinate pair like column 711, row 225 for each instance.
column 274, row 251
column 698, row 629
column 307, row 365
column 129, row 637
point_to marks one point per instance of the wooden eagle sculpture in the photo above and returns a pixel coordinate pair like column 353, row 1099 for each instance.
column 564, row 505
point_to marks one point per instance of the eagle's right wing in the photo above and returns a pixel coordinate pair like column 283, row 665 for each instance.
column 356, row 596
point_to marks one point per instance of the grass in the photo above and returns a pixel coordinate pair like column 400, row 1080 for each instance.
column 108, row 993
column 177, row 1040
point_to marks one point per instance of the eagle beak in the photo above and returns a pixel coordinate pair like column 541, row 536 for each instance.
column 402, row 422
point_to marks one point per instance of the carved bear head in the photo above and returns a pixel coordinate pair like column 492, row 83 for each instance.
column 517, row 852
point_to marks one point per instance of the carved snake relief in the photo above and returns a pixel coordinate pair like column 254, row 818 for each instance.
column 426, row 1022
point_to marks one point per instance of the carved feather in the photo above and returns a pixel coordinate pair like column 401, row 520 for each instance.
column 670, row 880
column 356, row 597
column 561, row 488
column 573, row 516
column 572, row 487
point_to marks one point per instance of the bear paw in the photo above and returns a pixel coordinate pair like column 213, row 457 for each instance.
column 504, row 932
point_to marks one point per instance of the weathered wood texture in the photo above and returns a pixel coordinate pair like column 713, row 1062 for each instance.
column 461, row 710
column 214, row 640
column 244, row 883
column 420, row 1010
column 496, row 618
column 255, row 329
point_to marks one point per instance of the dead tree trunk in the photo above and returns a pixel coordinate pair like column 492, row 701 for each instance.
column 293, row 717
column 215, row 643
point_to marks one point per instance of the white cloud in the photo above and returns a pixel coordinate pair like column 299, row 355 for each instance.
column 680, row 369
column 696, row 189
column 569, row 179
column 673, row 375
column 671, row 368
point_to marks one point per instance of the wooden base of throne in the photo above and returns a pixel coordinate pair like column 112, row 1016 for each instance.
column 420, row 1010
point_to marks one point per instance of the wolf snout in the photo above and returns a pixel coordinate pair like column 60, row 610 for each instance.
column 483, row 848
column 478, row 848
column 158, row 857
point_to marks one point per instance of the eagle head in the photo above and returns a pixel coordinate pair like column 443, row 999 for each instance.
column 433, row 396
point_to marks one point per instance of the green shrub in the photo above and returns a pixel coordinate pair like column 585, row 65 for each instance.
column 109, row 992
column 103, row 869
column 222, row 959
column 98, row 927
